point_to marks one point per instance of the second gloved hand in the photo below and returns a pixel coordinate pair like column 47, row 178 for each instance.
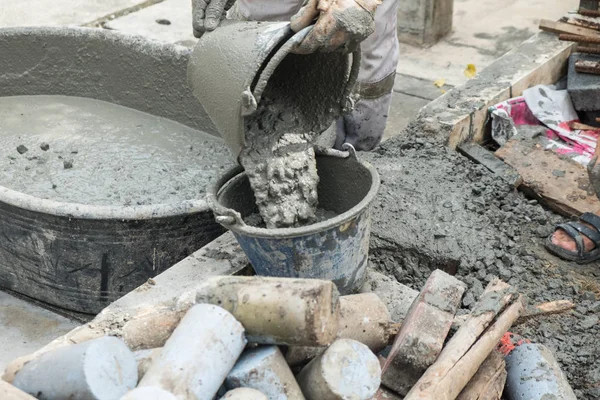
column 340, row 24
column 207, row 14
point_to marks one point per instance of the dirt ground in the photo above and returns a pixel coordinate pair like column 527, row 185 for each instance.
column 437, row 209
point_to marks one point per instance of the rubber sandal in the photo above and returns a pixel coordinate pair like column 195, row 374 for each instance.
column 577, row 230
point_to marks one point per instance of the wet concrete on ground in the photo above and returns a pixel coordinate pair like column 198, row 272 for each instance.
column 437, row 209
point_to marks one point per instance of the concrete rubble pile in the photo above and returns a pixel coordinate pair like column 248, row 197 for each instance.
column 260, row 338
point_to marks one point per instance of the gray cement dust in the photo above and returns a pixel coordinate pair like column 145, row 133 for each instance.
column 436, row 209
column 99, row 153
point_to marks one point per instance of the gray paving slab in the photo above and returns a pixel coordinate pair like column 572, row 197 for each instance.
column 169, row 21
column 418, row 87
column 403, row 110
column 58, row 12
column 25, row 327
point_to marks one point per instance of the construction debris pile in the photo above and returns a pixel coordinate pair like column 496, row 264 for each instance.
column 257, row 338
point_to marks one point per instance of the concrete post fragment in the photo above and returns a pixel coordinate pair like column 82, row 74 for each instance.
column 200, row 352
column 423, row 332
column 102, row 369
column 264, row 368
column 149, row 393
column 363, row 317
column 244, row 394
column 145, row 358
column 302, row 312
column 346, row 370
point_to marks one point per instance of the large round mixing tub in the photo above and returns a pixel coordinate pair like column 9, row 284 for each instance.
column 82, row 257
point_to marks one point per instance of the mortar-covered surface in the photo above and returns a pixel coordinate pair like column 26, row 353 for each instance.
column 437, row 209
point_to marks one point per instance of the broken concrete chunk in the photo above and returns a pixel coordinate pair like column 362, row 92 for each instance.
column 264, row 368
column 205, row 345
column 244, row 394
column 423, row 332
column 397, row 297
column 98, row 369
column 346, row 370
column 149, row 393
column 302, row 312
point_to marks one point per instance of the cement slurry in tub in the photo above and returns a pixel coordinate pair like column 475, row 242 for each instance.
column 86, row 151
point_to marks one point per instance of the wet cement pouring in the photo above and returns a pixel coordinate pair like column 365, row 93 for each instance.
column 86, row 151
column 436, row 209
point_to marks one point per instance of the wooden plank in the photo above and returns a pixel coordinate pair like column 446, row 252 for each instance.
column 557, row 181
column 584, row 23
column 480, row 155
column 562, row 27
column 488, row 382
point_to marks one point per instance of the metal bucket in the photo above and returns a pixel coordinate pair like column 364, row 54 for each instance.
column 336, row 249
column 233, row 67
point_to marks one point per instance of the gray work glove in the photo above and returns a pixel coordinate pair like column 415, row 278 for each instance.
column 340, row 24
column 207, row 14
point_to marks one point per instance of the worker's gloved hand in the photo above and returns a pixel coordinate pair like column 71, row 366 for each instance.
column 340, row 24
column 207, row 14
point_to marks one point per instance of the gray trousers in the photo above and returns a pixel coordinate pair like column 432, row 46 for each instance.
column 363, row 127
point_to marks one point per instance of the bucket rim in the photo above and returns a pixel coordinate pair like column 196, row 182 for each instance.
column 242, row 228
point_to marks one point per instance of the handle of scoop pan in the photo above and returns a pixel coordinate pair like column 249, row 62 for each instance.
column 348, row 97
column 223, row 215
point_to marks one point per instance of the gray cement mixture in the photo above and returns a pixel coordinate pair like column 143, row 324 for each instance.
column 436, row 209
column 281, row 166
column 86, row 151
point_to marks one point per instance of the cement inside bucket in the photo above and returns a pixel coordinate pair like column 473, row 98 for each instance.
column 87, row 151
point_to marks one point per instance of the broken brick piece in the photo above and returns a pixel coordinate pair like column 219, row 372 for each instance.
column 422, row 335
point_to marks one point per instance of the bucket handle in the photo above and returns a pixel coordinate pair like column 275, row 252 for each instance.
column 223, row 215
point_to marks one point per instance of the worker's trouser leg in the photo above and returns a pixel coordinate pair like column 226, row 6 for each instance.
column 364, row 126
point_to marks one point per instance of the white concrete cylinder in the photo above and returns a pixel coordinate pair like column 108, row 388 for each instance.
column 244, row 394
column 347, row 370
column 102, row 369
column 149, row 393
column 199, row 354
column 264, row 368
